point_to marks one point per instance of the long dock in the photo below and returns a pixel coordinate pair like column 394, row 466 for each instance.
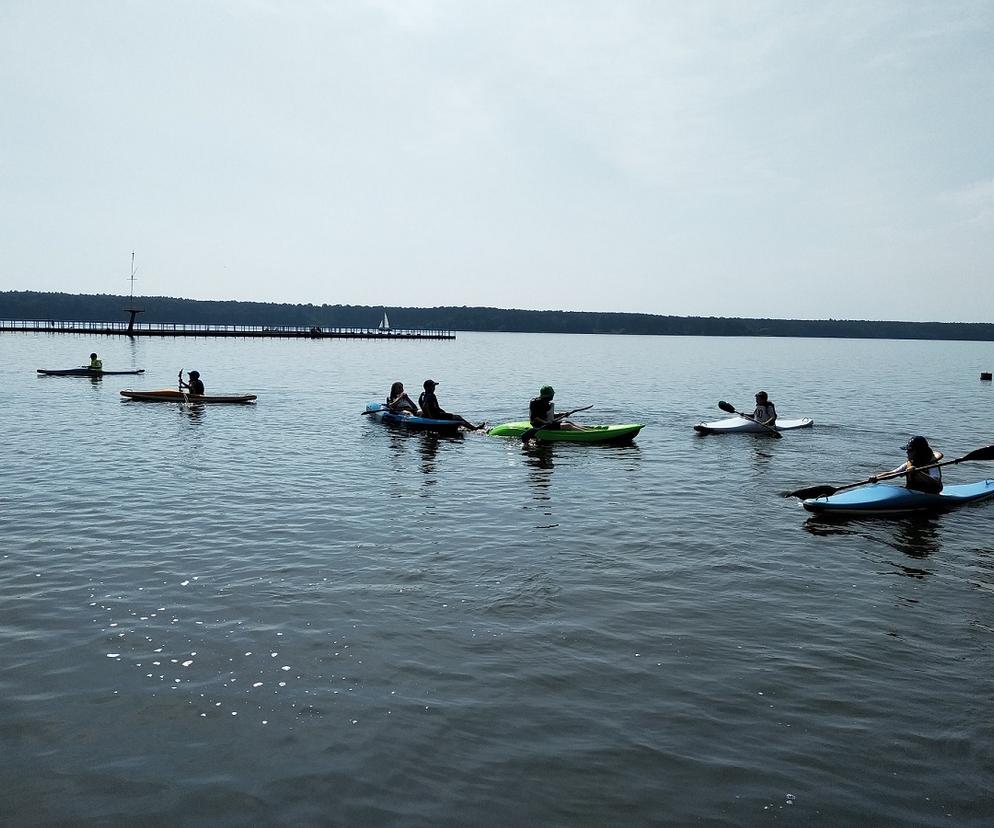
column 56, row 326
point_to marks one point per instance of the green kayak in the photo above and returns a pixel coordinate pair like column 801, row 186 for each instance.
column 590, row 434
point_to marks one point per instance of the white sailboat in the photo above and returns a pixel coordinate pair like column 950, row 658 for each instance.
column 385, row 324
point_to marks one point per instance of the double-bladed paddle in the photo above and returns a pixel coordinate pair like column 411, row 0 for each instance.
column 985, row 453
column 528, row 434
column 729, row 408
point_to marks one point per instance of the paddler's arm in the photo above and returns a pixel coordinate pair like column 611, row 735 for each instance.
column 904, row 467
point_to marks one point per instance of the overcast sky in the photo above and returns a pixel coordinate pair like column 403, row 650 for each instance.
column 784, row 159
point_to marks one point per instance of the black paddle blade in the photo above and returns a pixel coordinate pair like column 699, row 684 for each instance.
column 724, row 406
column 813, row 491
column 985, row 453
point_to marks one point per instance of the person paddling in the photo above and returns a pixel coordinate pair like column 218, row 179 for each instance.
column 430, row 408
column 195, row 385
column 398, row 401
column 96, row 364
column 920, row 453
column 765, row 412
column 542, row 412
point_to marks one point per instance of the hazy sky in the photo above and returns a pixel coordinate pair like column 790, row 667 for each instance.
column 785, row 159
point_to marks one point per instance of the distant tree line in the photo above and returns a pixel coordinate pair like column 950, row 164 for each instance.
column 32, row 305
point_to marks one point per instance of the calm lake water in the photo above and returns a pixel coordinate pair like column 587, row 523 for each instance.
column 285, row 613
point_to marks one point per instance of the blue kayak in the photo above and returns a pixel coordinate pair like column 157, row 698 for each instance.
column 379, row 411
column 882, row 499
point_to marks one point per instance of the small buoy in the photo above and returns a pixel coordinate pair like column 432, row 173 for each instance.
column 985, row 375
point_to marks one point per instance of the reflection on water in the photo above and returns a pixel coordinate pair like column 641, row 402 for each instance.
column 194, row 412
column 762, row 452
column 428, row 444
column 539, row 458
column 398, row 441
column 820, row 526
column 420, row 450
column 916, row 535
column 540, row 461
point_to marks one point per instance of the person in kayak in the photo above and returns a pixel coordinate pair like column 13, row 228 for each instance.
column 398, row 401
column 195, row 385
column 96, row 364
column 920, row 453
column 433, row 411
column 766, row 411
column 542, row 412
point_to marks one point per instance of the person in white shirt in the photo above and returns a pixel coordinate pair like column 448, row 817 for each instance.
column 766, row 411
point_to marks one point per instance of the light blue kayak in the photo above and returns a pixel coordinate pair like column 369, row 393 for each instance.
column 882, row 499
column 378, row 411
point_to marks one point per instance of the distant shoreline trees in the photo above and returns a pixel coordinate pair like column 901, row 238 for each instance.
column 32, row 305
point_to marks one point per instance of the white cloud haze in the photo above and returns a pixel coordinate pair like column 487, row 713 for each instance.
column 781, row 159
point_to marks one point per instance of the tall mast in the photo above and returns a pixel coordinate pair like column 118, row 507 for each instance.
column 131, row 309
column 132, row 278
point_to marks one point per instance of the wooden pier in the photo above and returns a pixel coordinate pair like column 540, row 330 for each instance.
column 55, row 326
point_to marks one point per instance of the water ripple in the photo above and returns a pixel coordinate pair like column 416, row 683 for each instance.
column 288, row 613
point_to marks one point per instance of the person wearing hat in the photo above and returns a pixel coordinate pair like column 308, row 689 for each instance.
column 542, row 412
column 195, row 385
column 920, row 453
column 96, row 364
column 430, row 408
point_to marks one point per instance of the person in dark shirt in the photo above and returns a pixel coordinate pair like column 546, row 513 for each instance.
column 430, row 408
column 398, row 401
column 195, row 385
column 542, row 412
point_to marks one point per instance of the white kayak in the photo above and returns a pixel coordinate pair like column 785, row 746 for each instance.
column 743, row 425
